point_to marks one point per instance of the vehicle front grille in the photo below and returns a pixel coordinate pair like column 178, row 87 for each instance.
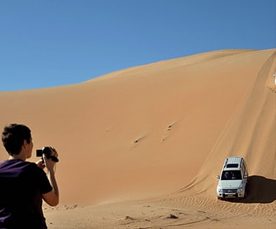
column 229, row 190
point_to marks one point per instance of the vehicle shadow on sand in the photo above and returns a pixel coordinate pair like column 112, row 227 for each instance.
column 259, row 190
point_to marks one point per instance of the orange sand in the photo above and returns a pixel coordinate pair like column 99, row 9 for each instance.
column 140, row 148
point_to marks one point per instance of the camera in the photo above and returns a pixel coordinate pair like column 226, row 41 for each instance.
column 46, row 150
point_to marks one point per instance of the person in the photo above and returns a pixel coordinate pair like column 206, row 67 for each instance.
column 24, row 185
column 226, row 176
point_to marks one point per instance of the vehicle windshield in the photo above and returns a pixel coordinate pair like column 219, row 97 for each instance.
column 231, row 175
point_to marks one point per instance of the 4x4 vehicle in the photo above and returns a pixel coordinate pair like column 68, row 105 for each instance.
column 233, row 178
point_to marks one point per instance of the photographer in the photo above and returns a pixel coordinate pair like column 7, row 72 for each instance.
column 23, row 184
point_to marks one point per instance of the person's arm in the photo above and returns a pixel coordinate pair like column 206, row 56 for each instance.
column 52, row 197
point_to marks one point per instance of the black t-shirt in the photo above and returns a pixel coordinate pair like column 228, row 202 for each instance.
column 21, row 186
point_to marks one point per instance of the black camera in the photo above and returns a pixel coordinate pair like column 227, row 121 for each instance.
column 46, row 150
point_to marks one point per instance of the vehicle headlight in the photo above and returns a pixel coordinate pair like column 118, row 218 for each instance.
column 240, row 189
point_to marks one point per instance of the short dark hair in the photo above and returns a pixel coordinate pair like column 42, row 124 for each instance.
column 13, row 137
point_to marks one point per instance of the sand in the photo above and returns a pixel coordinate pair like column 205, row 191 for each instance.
column 141, row 147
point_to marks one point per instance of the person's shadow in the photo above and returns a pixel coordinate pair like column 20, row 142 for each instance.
column 260, row 190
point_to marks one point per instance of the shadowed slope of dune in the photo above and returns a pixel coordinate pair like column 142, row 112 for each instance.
column 260, row 190
column 250, row 133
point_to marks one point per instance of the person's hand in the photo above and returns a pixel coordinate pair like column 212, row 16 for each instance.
column 40, row 164
column 49, row 163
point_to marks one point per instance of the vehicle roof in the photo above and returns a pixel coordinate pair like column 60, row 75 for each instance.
column 233, row 163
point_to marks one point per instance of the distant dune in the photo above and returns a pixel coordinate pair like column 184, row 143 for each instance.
column 159, row 131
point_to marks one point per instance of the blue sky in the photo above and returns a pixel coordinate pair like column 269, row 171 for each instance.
column 52, row 43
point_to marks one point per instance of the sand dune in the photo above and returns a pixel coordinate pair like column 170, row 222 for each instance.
column 158, row 131
column 250, row 132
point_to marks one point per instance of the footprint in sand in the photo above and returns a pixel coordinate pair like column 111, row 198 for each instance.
column 167, row 132
column 138, row 140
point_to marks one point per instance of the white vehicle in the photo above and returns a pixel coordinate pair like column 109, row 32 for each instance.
column 233, row 178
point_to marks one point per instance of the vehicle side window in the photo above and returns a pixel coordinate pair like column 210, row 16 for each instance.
column 243, row 170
